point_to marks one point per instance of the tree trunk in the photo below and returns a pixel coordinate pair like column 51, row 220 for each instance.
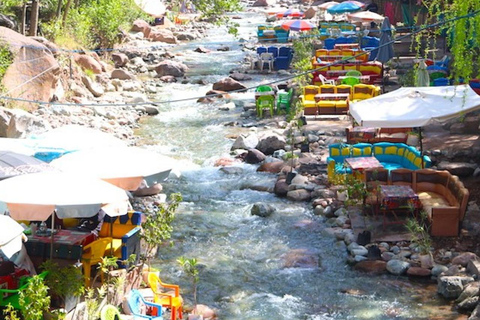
column 65, row 13
column 34, row 18
column 24, row 18
column 59, row 9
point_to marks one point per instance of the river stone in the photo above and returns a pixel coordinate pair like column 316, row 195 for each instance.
column 144, row 191
column 298, row 195
column 359, row 258
column 201, row 49
column 120, row 59
column 299, row 180
column 470, row 290
column 262, row 210
column 270, row 143
column 461, row 169
column 463, row 258
column 281, row 188
column 301, row 258
column 205, row 312
column 171, row 68
column 248, row 141
column 162, row 35
column 418, row 272
column 240, row 76
column 95, row 88
column 360, row 251
column 122, row 75
column 264, row 3
column 184, row 36
column 21, row 123
column 254, row 156
column 228, row 84
column 468, row 304
column 395, row 249
column 227, row 107
column 397, row 267
column 438, row 269
column 318, row 211
column 341, row 221
column 142, row 26
column 452, row 286
column 272, row 167
column 374, row 267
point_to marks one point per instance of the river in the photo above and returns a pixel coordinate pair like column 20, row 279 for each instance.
column 242, row 256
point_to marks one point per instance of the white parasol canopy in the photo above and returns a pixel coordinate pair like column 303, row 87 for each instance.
column 125, row 167
column 415, row 106
column 35, row 196
column 155, row 8
column 10, row 236
column 365, row 16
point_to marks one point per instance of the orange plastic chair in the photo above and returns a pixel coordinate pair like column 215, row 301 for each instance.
column 170, row 299
column 92, row 254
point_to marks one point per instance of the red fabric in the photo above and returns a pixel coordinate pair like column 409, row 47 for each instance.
column 66, row 237
column 390, row 12
column 11, row 281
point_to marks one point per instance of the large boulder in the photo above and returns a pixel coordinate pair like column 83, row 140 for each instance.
column 254, row 156
column 246, row 142
column 141, row 26
column 397, row 267
column 228, row 84
column 88, row 62
column 33, row 61
column 162, row 35
column 120, row 59
column 451, row 287
column 270, row 143
column 262, row 210
column 171, row 68
column 122, row 75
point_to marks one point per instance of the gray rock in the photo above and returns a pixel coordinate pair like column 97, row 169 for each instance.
column 227, row 107
column 95, row 88
column 151, row 110
column 340, row 212
column 438, row 269
column 232, row 170
column 254, row 156
column 281, row 188
column 162, row 35
column 470, row 290
column 341, row 221
column 120, row 59
column 228, row 84
column 359, row 258
column 298, row 195
column 395, row 249
column 270, row 143
column 249, row 141
column 299, row 180
column 262, row 210
column 397, row 267
column 469, row 303
column 360, row 251
column 240, row 76
column 387, row 256
column 452, row 286
column 461, row 169
column 318, row 210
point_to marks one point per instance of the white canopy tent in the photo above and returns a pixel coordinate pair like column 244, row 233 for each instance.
column 415, row 106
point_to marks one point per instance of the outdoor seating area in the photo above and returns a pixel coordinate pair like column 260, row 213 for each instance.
column 440, row 194
column 272, row 58
column 328, row 99
column 389, row 156
column 338, row 29
column 371, row 69
column 372, row 135
column 275, row 102
column 272, row 34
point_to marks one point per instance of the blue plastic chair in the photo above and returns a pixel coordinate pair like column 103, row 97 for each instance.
column 273, row 50
column 282, row 61
column 261, row 50
column 341, row 40
column 441, row 82
column 329, row 43
column 135, row 301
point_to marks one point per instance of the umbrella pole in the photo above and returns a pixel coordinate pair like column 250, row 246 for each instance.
column 383, row 78
column 421, row 145
column 51, row 235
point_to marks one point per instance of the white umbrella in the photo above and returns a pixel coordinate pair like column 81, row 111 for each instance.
column 326, row 5
column 154, row 8
column 365, row 16
column 36, row 196
column 51, row 144
column 125, row 167
column 10, row 236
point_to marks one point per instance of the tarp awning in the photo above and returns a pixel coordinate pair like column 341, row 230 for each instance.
column 415, row 106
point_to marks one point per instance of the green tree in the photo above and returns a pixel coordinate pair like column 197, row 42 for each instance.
column 158, row 226
column 34, row 299
column 190, row 267
column 462, row 33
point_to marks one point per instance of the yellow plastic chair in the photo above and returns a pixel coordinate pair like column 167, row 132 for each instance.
column 167, row 299
column 92, row 254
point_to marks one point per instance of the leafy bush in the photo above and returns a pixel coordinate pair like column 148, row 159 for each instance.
column 6, row 59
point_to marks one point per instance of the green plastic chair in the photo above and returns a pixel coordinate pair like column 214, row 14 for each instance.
column 12, row 296
column 284, row 99
column 351, row 81
column 109, row 312
column 353, row 73
column 264, row 99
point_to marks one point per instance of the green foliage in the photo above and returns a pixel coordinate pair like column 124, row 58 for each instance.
column 302, row 63
column 34, row 299
column 463, row 37
column 7, row 6
column 190, row 267
column 63, row 281
column 6, row 59
column 93, row 302
column 407, row 79
column 355, row 189
column 158, row 225
column 419, row 230
column 95, row 24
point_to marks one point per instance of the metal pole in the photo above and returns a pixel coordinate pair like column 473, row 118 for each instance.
column 421, row 145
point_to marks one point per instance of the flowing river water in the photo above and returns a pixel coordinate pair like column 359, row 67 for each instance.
column 242, row 256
